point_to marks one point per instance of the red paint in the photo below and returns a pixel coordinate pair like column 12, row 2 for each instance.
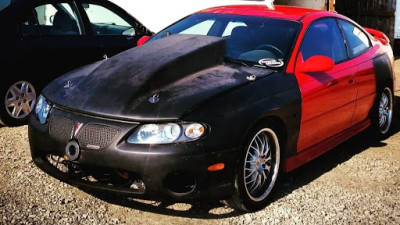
column 328, row 103
column 143, row 40
column 336, row 103
column 306, row 20
column 320, row 148
column 365, row 78
column 317, row 63
column 284, row 12
column 378, row 35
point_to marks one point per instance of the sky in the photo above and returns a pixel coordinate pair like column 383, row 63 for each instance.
column 158, row 14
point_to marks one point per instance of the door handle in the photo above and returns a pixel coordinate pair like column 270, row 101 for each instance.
column 331, row 83
column 351, row 79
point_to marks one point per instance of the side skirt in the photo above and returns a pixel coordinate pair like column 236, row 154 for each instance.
column 322, row 147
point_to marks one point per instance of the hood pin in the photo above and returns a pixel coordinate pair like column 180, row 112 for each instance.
column 251, row 77
column 154, row 99
column 68, row 84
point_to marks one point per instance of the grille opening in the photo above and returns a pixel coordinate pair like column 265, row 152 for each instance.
column 61, row 128
column 180, row 183
column 108, row 177
column 96, row 136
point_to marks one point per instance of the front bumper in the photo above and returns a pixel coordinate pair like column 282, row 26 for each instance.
column 107, row 162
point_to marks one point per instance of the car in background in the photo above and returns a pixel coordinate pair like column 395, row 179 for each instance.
column 217, row 105
column 44, row 39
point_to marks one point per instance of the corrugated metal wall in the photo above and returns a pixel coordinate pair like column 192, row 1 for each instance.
column 376, row 14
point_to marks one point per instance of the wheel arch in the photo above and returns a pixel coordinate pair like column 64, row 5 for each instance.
column 268, row 120
column 384, row 73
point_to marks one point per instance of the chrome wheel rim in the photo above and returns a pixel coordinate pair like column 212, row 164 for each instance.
column 385, row 111
column 261, row 165
column 20, row 99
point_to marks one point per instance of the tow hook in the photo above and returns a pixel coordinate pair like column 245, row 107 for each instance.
column 72, row 150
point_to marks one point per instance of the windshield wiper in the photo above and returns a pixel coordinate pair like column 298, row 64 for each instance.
column 237, row 62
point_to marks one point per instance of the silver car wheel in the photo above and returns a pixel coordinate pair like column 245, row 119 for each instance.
column 261, row 164
column 385, row 110
column 20, row 99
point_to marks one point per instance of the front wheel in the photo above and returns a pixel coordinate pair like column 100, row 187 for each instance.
column 382, row 113
column 16, row 103
column 258, row 171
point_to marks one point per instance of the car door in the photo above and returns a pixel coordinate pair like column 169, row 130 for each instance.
column 111, row 27
column 359, row 45
column 328, row 97
column 54, row 41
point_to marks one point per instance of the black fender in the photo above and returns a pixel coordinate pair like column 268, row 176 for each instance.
column 231, row 116
column 384, row 75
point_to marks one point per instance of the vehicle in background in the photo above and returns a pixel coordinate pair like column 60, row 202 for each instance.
column 44, row 39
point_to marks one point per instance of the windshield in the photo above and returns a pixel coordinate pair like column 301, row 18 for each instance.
column 255, row 41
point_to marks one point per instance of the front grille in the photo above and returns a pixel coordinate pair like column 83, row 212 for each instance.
column 96, row 136
column 61, row 128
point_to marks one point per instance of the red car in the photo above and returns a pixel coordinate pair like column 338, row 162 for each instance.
column 216, row 105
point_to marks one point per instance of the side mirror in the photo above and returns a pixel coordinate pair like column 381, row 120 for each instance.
column 143, row 40
column 317, row 63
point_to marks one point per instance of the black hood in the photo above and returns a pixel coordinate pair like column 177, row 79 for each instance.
column 161, row 80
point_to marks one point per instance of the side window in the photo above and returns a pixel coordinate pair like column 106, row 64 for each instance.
column 323, row 37
column 57, row 19
column 106, row 21
column 357, row 41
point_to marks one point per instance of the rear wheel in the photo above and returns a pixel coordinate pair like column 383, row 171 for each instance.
column 258, row 171
column 17, row 102
column 382, row 113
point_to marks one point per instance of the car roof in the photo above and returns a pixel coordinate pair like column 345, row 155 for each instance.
column 283, row 12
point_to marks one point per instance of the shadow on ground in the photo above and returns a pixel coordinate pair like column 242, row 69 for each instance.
column 287, row 184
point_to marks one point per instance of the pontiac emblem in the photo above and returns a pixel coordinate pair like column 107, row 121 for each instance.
column 78, row 127
column 154, row 99
column 68, row 84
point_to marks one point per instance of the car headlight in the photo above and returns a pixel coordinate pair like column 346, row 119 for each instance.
column 167, row 133
column 42, row 109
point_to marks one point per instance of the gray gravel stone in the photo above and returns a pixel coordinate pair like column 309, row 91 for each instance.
column 355, row 183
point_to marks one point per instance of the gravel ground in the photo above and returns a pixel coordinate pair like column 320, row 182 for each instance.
column 358, row 182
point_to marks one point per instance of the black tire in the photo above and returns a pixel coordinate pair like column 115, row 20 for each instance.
column 257, row 172
column 382, row 113
column 17, row 101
